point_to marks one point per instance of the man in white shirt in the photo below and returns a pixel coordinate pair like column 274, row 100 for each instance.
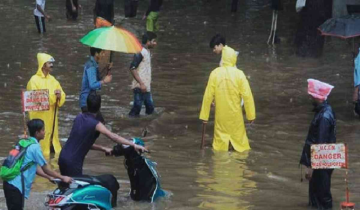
column 141, row 71
column 40, row 16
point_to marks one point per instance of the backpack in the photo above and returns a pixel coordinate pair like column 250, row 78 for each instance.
column 12, row 165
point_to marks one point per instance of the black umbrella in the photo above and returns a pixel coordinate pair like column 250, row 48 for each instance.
column 344, row 27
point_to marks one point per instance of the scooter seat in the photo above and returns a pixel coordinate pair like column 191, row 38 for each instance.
column 89, row 179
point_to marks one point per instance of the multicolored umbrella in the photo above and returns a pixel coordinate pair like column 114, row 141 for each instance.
column 112, row 38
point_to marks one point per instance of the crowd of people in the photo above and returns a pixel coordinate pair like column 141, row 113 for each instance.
column 228, row 92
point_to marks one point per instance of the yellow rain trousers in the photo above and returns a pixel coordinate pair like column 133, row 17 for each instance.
column 39, row 81
column 227, row 85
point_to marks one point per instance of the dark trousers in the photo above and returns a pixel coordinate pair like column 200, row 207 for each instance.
column 319, row 189
column 234, row 5
column 139, row 99
column 67, row 168
column 14, row 198
column 130, row 8
column 70, row 14
column 40, row 24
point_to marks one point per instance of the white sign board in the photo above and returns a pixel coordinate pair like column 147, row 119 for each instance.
column 328, row 156
column 35, row 100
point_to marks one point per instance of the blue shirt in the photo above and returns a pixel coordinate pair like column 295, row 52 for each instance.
column 91, row 80
column 33, row 154
column 82, row 136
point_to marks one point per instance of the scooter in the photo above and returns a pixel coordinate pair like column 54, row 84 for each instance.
column 84, row 193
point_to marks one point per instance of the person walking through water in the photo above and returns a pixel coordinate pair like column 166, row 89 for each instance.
column 91, row 81
column 152, row 15
column 322, row 131
column 17, row 189
column 227, row 85
column 43, row 80
column 141, row 71
column 40, row 16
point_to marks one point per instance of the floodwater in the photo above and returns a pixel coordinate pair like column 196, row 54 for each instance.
column 267, row 177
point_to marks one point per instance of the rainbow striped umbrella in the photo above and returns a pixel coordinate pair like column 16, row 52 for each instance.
column 112, row 38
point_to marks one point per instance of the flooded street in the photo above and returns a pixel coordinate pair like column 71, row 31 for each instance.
column 266, row 177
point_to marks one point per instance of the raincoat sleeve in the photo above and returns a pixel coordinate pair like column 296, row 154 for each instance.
column 208, row 98
column 305, row 156
column 92, row 79
column 52, row 96
column 247, row 96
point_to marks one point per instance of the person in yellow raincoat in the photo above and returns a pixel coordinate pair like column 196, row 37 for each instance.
column 43, row 80
column 227, row 85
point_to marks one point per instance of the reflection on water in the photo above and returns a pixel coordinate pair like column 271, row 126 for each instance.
column 224, row 180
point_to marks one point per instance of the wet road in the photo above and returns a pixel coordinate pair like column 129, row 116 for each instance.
column 267, row 177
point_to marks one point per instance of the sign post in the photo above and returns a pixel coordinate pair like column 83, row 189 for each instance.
column 34, row 100
column 332, row 156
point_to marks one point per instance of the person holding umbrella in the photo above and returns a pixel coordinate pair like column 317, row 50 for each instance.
column 43, row 80
column 91, row 78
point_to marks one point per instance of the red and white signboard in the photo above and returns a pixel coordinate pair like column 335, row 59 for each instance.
column 328, row 156
column 35, row 100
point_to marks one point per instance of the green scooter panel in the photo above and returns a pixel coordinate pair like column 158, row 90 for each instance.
column 93, row 194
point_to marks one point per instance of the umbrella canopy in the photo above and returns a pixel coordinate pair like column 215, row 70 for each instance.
column 344, row 27
column 112, row 38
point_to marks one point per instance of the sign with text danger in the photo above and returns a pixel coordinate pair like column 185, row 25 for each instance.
column 328, row 156
column 35, row 100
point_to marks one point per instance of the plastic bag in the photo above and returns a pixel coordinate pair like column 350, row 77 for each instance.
column 299, row 5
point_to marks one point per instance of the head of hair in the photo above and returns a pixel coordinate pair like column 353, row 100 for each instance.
column 93, row 102
column 216, row 40
column 94, row 50
column 35, row 125
column 148, row 36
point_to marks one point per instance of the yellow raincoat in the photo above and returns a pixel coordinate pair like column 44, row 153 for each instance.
column 39, row 81
column 227, row 85
column 230, row 55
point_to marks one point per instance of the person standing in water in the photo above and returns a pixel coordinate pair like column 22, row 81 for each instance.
column 44, row 80
column 322, row 131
